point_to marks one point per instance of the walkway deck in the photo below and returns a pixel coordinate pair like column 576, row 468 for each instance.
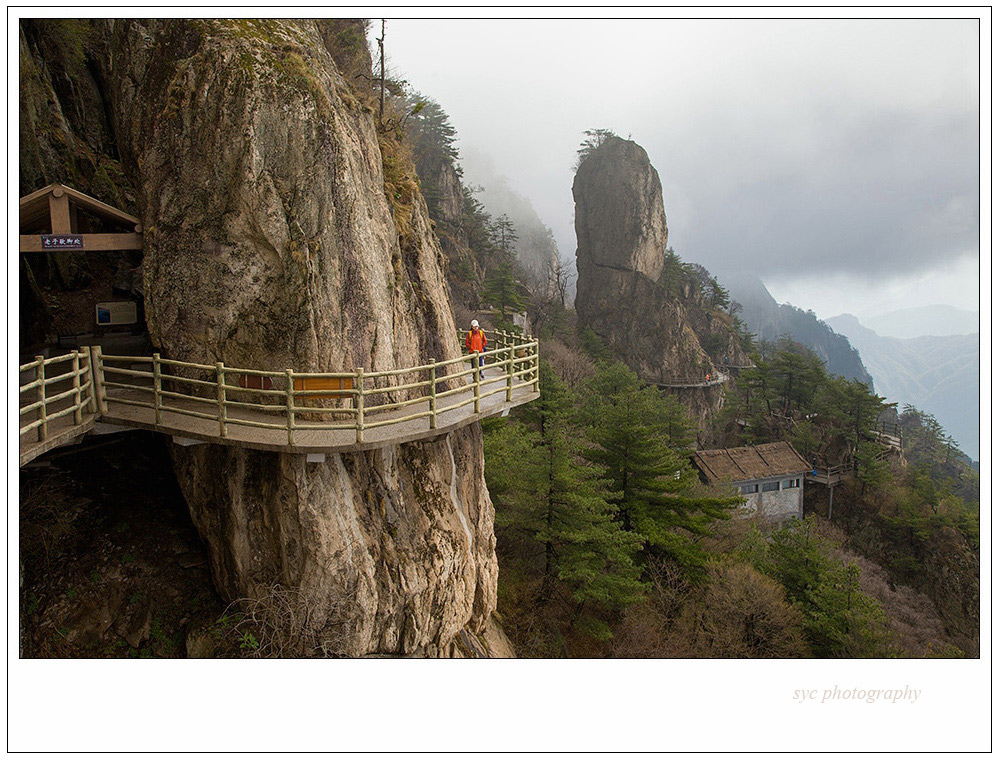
column 56, row 405
column 61, row 432
column 292, row 412
column 831, row 476
column 721, row 378
column 308, row 437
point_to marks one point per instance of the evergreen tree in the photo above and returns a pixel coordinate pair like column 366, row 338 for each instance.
column 430, row 129
column 476, row 221
column 856, row 409
column 656, row 491
column 594, row 138
column 551, row 495
column 840, row 620
column 674, row 273
column 871, row 471
column 504, row 236
column 502, row 289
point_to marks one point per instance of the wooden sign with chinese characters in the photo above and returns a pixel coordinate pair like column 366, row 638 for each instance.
column 62, row 242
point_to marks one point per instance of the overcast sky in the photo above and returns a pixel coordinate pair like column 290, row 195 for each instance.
column 810, row 152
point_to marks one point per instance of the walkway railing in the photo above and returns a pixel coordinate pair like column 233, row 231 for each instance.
column 827, row 475
column 52, row 389
column 286, row 400
column 713, row 378
column 834, row 474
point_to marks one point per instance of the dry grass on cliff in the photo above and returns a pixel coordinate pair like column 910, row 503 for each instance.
column 284, row 624
column 399, row 169
column 737, row 614
column 572, row 365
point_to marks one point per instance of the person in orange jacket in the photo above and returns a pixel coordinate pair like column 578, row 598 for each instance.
column 475, row 341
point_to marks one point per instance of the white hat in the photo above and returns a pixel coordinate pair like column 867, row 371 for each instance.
column 475, row 323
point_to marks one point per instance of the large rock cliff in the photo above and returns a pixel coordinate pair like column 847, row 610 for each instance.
column 667, row 337
column 271, row 242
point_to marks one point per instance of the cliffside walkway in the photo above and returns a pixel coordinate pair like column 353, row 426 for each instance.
column 830, row 476
column 834, row 475
column 717, row 378
column 288, row 411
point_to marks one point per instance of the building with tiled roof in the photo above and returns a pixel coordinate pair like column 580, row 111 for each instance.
column 770, row 476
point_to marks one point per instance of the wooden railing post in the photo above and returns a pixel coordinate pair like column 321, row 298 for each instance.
column 360, row 404
column 92, row 398
column 157, row 389
column 99, row 389
column 537, row 368
column 220, row 376
column 290, row 404
column 478, row 379
column 509, row 372
column 433, row 393
column 43, row 430
column 77, row 400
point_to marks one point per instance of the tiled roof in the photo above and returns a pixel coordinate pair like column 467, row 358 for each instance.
column 751, row 462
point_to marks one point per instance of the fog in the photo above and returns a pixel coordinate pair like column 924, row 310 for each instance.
column 808, row 152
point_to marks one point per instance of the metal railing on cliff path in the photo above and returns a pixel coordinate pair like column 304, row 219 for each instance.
column 291, row 411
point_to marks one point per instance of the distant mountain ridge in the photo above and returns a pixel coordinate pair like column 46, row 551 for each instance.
column 920, row 321
column 937, row 374
column 769, row 320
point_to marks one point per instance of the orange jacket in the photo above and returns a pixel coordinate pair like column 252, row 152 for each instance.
column 475, row 340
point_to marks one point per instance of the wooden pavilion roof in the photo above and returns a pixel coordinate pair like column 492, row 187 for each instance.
column 750, row 462
column 35, row 209
column 52, row 210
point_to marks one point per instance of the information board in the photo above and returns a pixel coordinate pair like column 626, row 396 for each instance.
column 116, row 312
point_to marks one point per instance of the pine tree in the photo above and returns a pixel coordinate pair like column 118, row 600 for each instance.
column 656, row 491
column 550, row 494
column 856, row 409
column 504, row 236
column 502, row 289
column 871, row 471
column 840, row 620
column 594, row 138
column 430, row 129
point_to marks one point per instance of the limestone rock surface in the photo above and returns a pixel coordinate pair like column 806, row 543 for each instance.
column 620, row 218
column 270, row 243
column 621, row 235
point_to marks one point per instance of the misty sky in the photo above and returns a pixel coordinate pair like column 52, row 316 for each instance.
column 822, row 152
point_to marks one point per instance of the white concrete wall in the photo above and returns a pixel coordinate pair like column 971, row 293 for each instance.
column 775, row 505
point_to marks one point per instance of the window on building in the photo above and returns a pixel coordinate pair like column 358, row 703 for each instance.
column 769, row 486
column 748, row 489
column 791, row 484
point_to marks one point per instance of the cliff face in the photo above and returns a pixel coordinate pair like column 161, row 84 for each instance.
column 270, row 242
column 447, row 210
column 620, row 219
column 621, row 235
